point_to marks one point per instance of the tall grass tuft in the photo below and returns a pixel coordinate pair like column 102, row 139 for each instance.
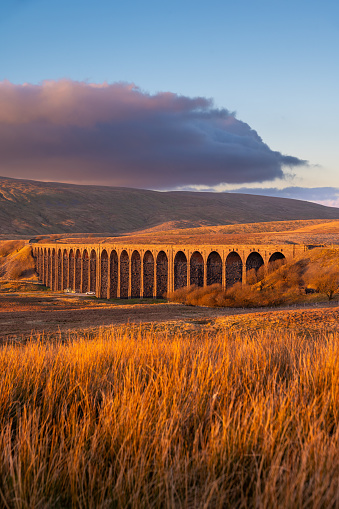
column 135, row 418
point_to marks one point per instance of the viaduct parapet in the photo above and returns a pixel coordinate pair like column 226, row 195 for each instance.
column 151, row 270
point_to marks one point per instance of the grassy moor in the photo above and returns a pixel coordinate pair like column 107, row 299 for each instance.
column 210, row 399
column 32, row 208
column 135, row 417
column 169, row 254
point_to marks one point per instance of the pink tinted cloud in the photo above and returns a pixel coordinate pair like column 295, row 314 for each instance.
column 116, row 134
column 76, row 103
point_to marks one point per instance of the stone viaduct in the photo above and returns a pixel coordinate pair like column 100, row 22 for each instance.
column 151, row 270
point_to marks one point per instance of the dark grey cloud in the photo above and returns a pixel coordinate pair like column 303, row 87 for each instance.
column 118, row 135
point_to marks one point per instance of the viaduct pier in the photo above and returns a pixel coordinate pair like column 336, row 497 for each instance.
column 151, row 270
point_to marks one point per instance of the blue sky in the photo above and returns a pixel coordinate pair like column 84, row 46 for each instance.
column 273, row 62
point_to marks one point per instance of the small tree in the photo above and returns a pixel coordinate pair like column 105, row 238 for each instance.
column 253, row 276
column 323, row 279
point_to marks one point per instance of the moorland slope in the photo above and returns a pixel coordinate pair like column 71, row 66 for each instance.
column 30, row 208
column 310, row 232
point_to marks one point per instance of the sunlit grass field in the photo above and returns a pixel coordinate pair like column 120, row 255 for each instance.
column 139, row 417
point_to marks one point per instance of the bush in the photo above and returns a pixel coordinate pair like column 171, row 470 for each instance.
column 324, row 279
column 237, row 296
column 212, row 296
column 283, row 285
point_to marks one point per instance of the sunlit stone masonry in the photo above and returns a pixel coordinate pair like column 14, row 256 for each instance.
column 133, row 271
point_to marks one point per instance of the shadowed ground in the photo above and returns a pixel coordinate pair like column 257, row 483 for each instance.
column 22, row 315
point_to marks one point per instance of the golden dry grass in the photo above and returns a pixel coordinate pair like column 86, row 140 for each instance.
column 8, row 247
column 313, row 231
column 242, row 412
column 16, row 260
column 134, row 418
column 20, row 286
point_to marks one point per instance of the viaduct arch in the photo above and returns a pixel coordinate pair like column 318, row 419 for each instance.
column 152, row 270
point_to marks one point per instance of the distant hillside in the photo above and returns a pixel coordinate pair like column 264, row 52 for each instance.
column 305, row 231
column 29, row 208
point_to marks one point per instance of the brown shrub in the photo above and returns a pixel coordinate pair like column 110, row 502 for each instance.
column 273, row 266
column 282, row 286
column 214, row 296
column 253, row 276
column 324, row 279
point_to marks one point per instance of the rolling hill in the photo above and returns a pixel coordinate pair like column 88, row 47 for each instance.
column 36, row 208
column 305, row 231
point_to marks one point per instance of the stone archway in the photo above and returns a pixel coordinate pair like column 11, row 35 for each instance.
column 180, row 270
column 93, row 271
column 104, row 274
column 114, row 264
column 234, row 268
column 124, row 275
column 65, row 270
column 41, row 275
column 214, row 269
column 276, row 260
column 162, row 274
column 148, row 274
column 53, row 269
column 71, row 270
column 48, row 269
column 135, row 274
column 45, row 267
column 85, row 271
column 254, row 268
column 197, row 269
column 77, row 275
column 38, row 262
column 59, row 282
